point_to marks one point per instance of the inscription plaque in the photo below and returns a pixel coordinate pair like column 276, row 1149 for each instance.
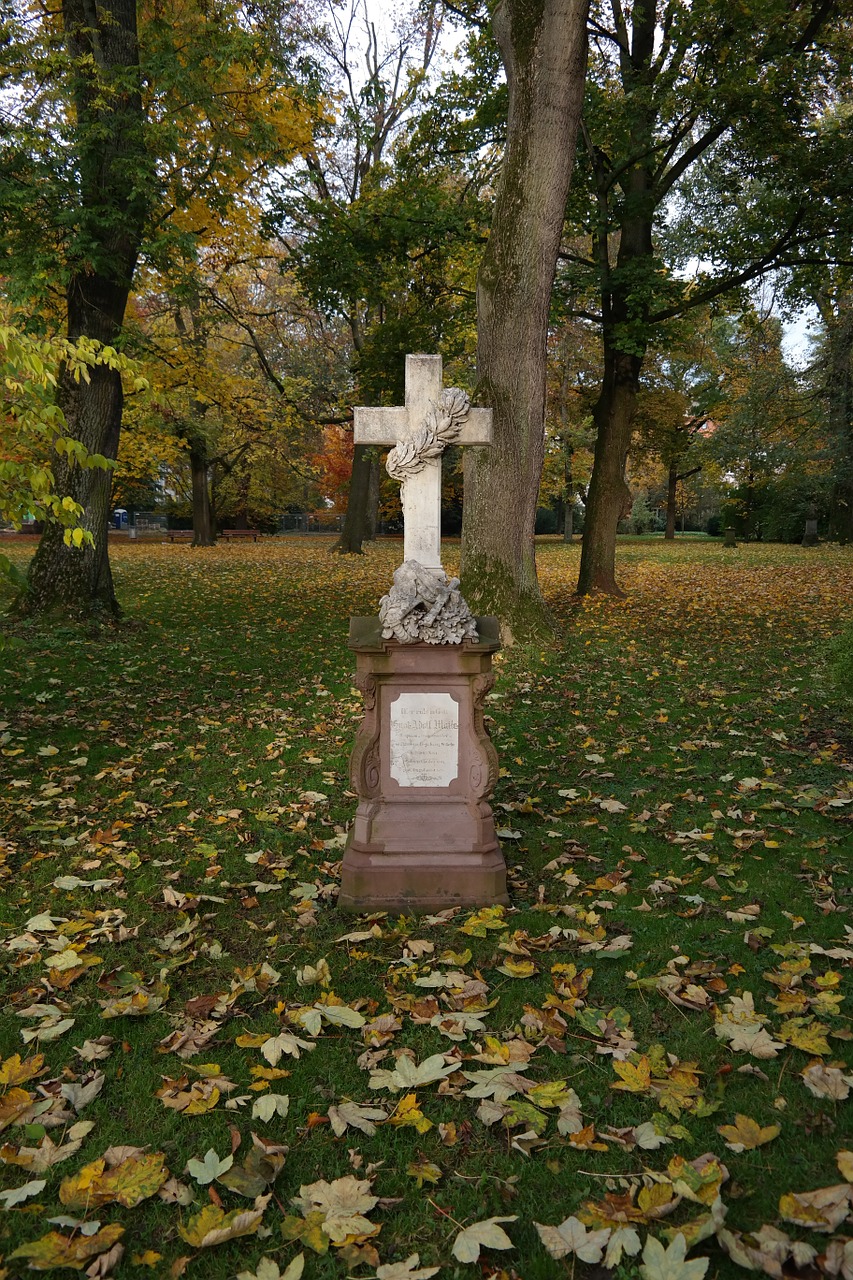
column 424, row 739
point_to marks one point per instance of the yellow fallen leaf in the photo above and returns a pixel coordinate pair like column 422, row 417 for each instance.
column 128, row 1183
column 214, row 1226
column 408, row 1114
column 634, row 1078
column 844, row 1160
column 74, row 1252
column 14, row 1071
column 746, row 1134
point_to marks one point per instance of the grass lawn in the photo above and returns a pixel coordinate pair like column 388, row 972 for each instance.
column 676, row 803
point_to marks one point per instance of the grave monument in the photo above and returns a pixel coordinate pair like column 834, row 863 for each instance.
column 423, row 765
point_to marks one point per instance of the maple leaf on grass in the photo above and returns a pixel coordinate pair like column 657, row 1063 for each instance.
column 670, row 1263
column 634, row 1077
column 409, row 1269
column 571, row 1236
column 746, row 1134
column 268, row 1269
column 409, row 1115
column 17, row 1195
column 820, row 1210
column 844, row 1160
column 204, row 1171
column 343, row 1204
column 353, row 1114
column 214, row 1226
column 481, row 1235
column 73, row 1252
column 409, row 1075
column 269, row 1105
column 127, row 1183
column 826, row 1082
column 275, row 1046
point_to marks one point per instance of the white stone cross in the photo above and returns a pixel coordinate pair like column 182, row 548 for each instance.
column 421, row 493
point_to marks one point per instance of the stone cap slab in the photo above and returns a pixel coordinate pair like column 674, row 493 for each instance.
column 366, row 634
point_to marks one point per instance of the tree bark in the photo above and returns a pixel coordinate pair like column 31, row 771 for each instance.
column 543, row 47
column 371, row 523
column 615, row 408
column 671, row 492
column 204, row 533
column 608, row 498
column 107, row 232
column 569, row 501
column 839, row 394
column 354, row 532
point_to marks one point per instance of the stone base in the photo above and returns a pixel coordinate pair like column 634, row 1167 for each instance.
column 423, row 767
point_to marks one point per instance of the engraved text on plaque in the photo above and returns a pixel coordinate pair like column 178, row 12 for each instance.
column 424, row 741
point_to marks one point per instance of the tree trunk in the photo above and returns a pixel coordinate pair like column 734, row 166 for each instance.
column 839, row 393
column 543, row 47
column 671, row 494
column 608, row 496
column 569, row 512
column 204, row 534
column 371, row 523
column 624, row 333
column 106, row 232
column 354, row 531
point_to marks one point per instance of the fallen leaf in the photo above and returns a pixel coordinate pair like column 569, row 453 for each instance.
column 214, row 1226
column 343, row 1204
column 17, row 1195
column 746, row 1134
column 571, row 1236
column 481, row 1235
column 410, row 1269
column 268, row 1269
column 669, row 1264
column 206, row 1170
column 73, row 1252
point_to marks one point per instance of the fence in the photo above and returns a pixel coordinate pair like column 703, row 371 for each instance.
column 311, row 522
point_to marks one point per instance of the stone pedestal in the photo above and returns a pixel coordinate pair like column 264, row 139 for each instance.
column 423, row 767
column 729, row 539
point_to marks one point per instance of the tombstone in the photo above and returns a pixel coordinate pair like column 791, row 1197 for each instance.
column 729, row 539
column 810, row 538
column 423, row 765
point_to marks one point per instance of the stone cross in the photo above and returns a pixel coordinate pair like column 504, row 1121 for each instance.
column 421, row 493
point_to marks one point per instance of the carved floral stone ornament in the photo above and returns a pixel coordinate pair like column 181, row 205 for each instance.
column 425, row 605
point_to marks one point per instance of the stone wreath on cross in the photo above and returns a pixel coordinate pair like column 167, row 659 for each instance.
column 440, row 428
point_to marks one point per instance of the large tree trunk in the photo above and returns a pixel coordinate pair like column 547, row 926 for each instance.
column 371, row 523
column 106, row 236
column 204, row 533
column 543, row 47
column 624, row 340
column 839, row 394
column 354, row 532
column 671, row 494
column 607, row 496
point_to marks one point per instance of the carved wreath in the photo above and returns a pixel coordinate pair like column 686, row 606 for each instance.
column 440, row 428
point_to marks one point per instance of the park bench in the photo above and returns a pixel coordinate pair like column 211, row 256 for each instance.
column 179, row 535
column 228, row 534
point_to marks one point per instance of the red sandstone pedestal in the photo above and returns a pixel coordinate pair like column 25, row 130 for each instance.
column 423, row 767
